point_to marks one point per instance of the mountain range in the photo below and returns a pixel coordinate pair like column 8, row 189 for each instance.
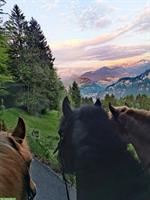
column 106, row 75
column 103, row 75
column 120, row 81
column 129, row 85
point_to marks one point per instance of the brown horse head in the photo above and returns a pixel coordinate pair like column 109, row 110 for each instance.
column 15, row 180
column 135, row 126
column 120, row 115
column 130, row 119
column 125, row 119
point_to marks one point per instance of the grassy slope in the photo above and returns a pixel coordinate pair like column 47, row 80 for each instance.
column 47, row 125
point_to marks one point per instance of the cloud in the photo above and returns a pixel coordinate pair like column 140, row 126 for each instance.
column 95, row 15
column 80, row 46
column 101, row 53
column 139, row 23
column 142, row 21
column 46, row 4
column 49, row 4
column 98, row 48
column 113, row 52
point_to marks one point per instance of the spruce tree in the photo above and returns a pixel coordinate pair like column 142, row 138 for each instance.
column 44, row 75
column 3, row 42
column 16, row 31
column 2, row 3
column 4, row 74
column 37, row 40
column 75, row 94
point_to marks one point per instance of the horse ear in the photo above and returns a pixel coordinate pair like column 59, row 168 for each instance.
column 66, row 107
column 113, row 110
column 98, row 103
column 20, row 130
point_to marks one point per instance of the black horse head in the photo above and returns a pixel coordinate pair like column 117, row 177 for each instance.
column 88, row 137
column 90, row 147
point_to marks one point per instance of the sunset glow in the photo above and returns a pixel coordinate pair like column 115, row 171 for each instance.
column 85, row 35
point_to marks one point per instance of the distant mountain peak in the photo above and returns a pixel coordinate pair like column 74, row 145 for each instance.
column 103, row 74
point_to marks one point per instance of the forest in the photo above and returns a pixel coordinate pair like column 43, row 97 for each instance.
column 27, row 74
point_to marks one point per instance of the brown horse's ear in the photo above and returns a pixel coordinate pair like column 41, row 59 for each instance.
column 98, row 103
column 2, row 126
column 113, row 110
column 20, row 130
column 66, row 107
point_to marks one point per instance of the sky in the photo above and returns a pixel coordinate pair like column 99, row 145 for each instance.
column 88, row 34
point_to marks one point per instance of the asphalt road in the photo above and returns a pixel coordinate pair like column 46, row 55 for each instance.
column 49, row 185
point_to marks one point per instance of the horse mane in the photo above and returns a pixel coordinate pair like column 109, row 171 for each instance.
column 139, row 115
column 12, row 166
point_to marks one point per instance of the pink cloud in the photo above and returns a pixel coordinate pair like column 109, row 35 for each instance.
column 105, row 52
column 113, row 52
column 94, row 16
column 142, row 22
column 100, row 49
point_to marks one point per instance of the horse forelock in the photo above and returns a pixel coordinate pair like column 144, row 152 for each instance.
column 96, row 123
column 86, row 112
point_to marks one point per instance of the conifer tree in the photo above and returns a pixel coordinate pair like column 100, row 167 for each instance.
column 2, row 3
column 45, row 77
column 75, row 94
column 4, row 74
column 16, row 31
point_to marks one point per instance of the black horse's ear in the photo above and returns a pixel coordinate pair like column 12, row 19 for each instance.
column 113, row 110
column 66, row 107
column 98, row 103
column 126, row 104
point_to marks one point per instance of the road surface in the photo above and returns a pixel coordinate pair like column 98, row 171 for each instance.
column 49, row 185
